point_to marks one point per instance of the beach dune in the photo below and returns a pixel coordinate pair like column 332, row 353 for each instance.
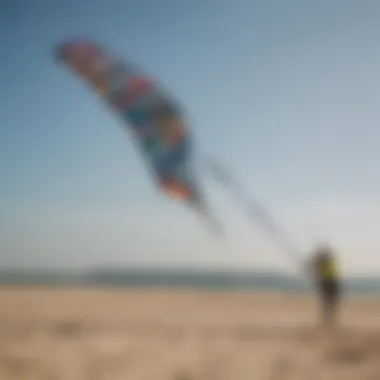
column 77, row 333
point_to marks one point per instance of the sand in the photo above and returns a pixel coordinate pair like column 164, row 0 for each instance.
column 54, row 334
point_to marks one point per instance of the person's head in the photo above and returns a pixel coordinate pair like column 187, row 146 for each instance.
column 324, row 252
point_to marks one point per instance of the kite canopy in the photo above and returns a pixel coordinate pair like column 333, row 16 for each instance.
column 155, row 121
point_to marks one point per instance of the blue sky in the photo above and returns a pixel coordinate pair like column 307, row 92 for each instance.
column 285, row 92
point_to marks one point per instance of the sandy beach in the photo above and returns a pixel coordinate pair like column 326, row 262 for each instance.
column 182, row 335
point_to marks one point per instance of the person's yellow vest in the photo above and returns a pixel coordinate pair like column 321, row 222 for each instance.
column 329, row 270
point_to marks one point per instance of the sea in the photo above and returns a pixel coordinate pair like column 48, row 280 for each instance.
column 178, row 278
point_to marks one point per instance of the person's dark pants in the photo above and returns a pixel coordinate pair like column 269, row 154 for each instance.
column 330, row 293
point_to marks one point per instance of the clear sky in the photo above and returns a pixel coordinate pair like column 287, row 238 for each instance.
column 287, row 93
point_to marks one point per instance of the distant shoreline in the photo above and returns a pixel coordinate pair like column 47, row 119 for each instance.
column 178, row 279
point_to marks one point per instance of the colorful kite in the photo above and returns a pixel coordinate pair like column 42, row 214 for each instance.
column 155, row 120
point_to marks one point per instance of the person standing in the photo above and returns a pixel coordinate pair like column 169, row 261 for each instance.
column 324, row 267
